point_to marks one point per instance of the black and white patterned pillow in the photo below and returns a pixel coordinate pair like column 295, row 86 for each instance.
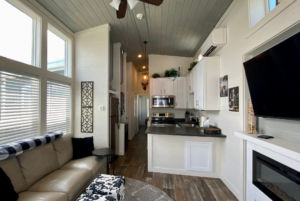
column 95, row 197
column 108, row 185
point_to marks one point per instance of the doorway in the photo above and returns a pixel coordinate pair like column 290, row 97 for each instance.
column 143, row 110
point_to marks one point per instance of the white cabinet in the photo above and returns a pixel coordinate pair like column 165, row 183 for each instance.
column 191, row 84
column 162, row 86
column 206, row 84
column 199, row 156
column 189, row 96
column 158, row 86
column 180, row 93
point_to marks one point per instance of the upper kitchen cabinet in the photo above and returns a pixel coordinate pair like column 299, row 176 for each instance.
column 180, row 93
column 190, row 82
column 206, row 84
column 162, row 86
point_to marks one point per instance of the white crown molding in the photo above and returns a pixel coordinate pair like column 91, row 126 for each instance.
column 170, row 57
column 105, row 27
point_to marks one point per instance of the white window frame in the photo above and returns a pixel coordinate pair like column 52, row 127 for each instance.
column 268, row 16
column 68, row 50
column 36, row 31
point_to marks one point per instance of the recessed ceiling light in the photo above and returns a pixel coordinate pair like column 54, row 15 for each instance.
column 144, row 66
column 139, row 56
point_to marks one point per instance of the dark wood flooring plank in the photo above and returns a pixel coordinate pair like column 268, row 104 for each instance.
column 157, row 180
column 216, row 190
column 180, row 188
column 204, row 190
column 226, row 190
column 171, row 193
column 193, row 191
column 148, row 180
column 139, row 172
column 168, row 181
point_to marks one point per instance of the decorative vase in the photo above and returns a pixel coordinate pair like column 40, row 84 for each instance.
column 251, row 119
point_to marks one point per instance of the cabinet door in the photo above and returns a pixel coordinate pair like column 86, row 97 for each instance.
column 158, row 85
column 179, row 91
column 200, row 84
column 195, row 87
column 191, row 84
column 189, row 97
column 168, row 86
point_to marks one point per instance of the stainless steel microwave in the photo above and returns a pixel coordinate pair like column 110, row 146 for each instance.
column 163, row 101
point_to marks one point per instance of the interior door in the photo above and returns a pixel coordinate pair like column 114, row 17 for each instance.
column 158, row 85
column 168, row 86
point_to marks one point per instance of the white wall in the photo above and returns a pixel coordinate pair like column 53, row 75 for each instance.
column 241, row 40
column 123, row 88
column 92, row 64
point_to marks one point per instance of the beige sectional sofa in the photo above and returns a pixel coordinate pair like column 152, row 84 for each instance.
column 48, row 173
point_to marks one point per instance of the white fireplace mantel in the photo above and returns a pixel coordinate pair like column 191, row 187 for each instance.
column 283, row 147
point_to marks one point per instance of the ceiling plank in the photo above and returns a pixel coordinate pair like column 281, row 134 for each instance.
column 62, row 6
column 182, row 22
column 191, row 22
column 158, row 28
column 59, row 14
column 86, row 11
column 171, row 16
column 164, row 25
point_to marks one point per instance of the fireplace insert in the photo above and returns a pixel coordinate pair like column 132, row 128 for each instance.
column 274, row 179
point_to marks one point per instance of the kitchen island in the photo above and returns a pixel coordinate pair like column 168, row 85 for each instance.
column 184, row 151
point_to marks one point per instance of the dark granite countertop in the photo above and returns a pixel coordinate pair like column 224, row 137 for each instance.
column 182, row 131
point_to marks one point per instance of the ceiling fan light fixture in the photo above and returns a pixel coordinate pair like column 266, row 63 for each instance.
column 115, row 4
column 132, row 3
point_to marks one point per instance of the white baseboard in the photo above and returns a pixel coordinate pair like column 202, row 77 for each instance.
column 183, row 172
column 237, row 194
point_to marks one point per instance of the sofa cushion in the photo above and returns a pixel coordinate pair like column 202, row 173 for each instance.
column 42, row 196
column 13, row 171
column 71, row 182
column 63, row 149
column 37, row 163
column 7, row 190
column 92, row 163
column 82, row 147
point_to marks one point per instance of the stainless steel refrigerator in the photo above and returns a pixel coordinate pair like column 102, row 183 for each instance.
column 114, row 121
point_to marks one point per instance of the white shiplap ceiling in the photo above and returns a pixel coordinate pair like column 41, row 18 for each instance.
column 177, row 27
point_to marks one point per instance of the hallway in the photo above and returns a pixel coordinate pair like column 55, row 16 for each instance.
column 179, row 187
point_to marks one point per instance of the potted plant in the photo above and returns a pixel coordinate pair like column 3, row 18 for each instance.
column 171, row 73
column 192, row 65
column 155, row 75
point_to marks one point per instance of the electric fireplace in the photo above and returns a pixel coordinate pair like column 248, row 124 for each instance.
column 274, row 179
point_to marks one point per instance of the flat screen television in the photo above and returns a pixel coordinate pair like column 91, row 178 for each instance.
column 274, row 80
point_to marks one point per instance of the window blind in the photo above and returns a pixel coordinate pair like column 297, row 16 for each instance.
column 19, row 106
column 58, row 107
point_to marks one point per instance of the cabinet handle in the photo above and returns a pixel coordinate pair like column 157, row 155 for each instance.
column 165, row 91
column 161, row 91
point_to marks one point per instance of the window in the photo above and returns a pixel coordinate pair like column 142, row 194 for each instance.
column 56, row 54
column 272, row 4
column 19, row 106
column 58, row 107
column 16, row 35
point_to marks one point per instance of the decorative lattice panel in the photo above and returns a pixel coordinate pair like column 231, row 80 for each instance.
column 87, row 105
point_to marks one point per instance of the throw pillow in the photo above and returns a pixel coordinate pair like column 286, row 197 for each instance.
column 82, row 147
column 7, row 190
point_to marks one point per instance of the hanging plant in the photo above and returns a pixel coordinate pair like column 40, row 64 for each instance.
column 171, row 73
column 155, row 75
column 192, row 65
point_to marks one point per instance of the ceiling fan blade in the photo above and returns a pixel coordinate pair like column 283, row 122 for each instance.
column 153, row 2
column 122, row 10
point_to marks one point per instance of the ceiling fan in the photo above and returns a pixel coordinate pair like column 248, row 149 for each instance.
column 121, row 5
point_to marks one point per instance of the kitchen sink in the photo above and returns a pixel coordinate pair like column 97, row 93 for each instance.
column 186, row 125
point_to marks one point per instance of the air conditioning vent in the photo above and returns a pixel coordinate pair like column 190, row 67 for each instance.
column 209, row 51
column 214, row 42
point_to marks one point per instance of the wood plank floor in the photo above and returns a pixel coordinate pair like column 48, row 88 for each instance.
column 179, row 187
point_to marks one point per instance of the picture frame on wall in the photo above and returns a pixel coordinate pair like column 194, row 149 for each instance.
column 234, row 99
column 224, row 86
